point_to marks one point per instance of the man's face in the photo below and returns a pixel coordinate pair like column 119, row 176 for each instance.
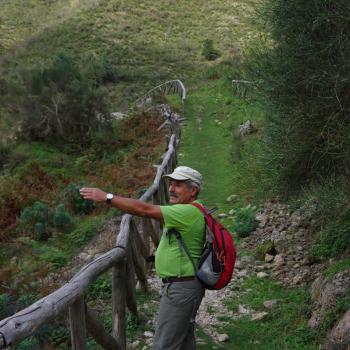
column 180, row 192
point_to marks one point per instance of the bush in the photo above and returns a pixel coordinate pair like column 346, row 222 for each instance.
column 57, row 258
column 208, row 51
column 37, row 220
column 101, row 288
column 307, row 129
column 245, row 221
column 62, row 219
column 333, row 239
column 75, row 201
column 6, row 308
column 40, row 220
column 61, row 100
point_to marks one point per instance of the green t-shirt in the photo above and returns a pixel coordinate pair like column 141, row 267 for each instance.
column 172, row 261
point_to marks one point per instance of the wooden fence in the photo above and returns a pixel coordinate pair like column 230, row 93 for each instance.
column 128, row 264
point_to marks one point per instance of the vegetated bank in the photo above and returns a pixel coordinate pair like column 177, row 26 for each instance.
column 298, row 76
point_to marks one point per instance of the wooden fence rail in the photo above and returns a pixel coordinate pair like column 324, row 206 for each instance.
column 126, row 259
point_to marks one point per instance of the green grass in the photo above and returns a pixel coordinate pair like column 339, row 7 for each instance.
column 285, row 327
column 337, row 266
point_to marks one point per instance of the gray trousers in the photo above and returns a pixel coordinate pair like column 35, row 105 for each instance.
column 176, row 319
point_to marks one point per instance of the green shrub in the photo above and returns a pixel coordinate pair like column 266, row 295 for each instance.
column 62, row 219
column 6, row 308
column 56, row 257
column 333, row 239
column 208, row 51
column 36, row 219
column 264, row 248
column 40, row 220
column 31, row 343
column 75, row 201
column 245, row 221
column 101, row 288
column 86, row 230
column 61, row 100
column 300, row 73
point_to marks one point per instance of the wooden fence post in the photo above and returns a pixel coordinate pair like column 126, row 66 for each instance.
column 118, row 303
column 138, row 258
column 97, row 330
column 77, row 324
column 131, row 283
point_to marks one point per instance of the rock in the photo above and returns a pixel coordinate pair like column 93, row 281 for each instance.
column 339, row 336
column 309, row 260
column 135, row 345
column 298, row 279
column 246, row 128
column 279, row 260
column 231, row 197
column 148, row 334
column 242, row 273
column 262, row 275
column 118, row 115
column 258, row 316
column 246, row 259
column 260, row 268
column 223, row 337
column 238, row 265
column 244, row 310
column 326, row 292
column 270, row 304
column 222, row 215
column 269, row 258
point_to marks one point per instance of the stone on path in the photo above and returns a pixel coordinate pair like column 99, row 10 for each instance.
column 223, row 337
column 148, row 334
column 258, row 316
column 262, row 274
column 269, row 258
column 244, row 310
column 269, row 304
column 279, row 260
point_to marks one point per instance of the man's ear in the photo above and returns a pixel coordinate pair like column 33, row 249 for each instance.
column 194, row 191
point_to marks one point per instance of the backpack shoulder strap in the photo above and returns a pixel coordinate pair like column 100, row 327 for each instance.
column 200, row 207
column 183, row 246
column 203, row 210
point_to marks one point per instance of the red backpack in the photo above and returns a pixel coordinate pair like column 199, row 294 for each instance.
column 215, row 266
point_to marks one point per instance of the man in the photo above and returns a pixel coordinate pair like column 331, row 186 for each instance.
column 181, row 292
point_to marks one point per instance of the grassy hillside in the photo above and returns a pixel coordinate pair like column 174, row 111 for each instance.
column 146, row 43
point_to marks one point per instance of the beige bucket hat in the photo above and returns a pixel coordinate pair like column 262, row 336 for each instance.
column 182, row 173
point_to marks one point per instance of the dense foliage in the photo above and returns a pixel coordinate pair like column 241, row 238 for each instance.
column 306, row 75
column 60, row 100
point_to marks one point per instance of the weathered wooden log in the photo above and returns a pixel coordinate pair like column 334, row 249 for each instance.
column 131, row 285
column 166, row 192
column 137, row 259
column 25, row 322
column 98, row 332
column 118, row 303
column 77, row 324
column 152, row 231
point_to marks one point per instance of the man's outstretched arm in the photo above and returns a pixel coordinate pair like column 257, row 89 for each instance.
column 127, row 205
